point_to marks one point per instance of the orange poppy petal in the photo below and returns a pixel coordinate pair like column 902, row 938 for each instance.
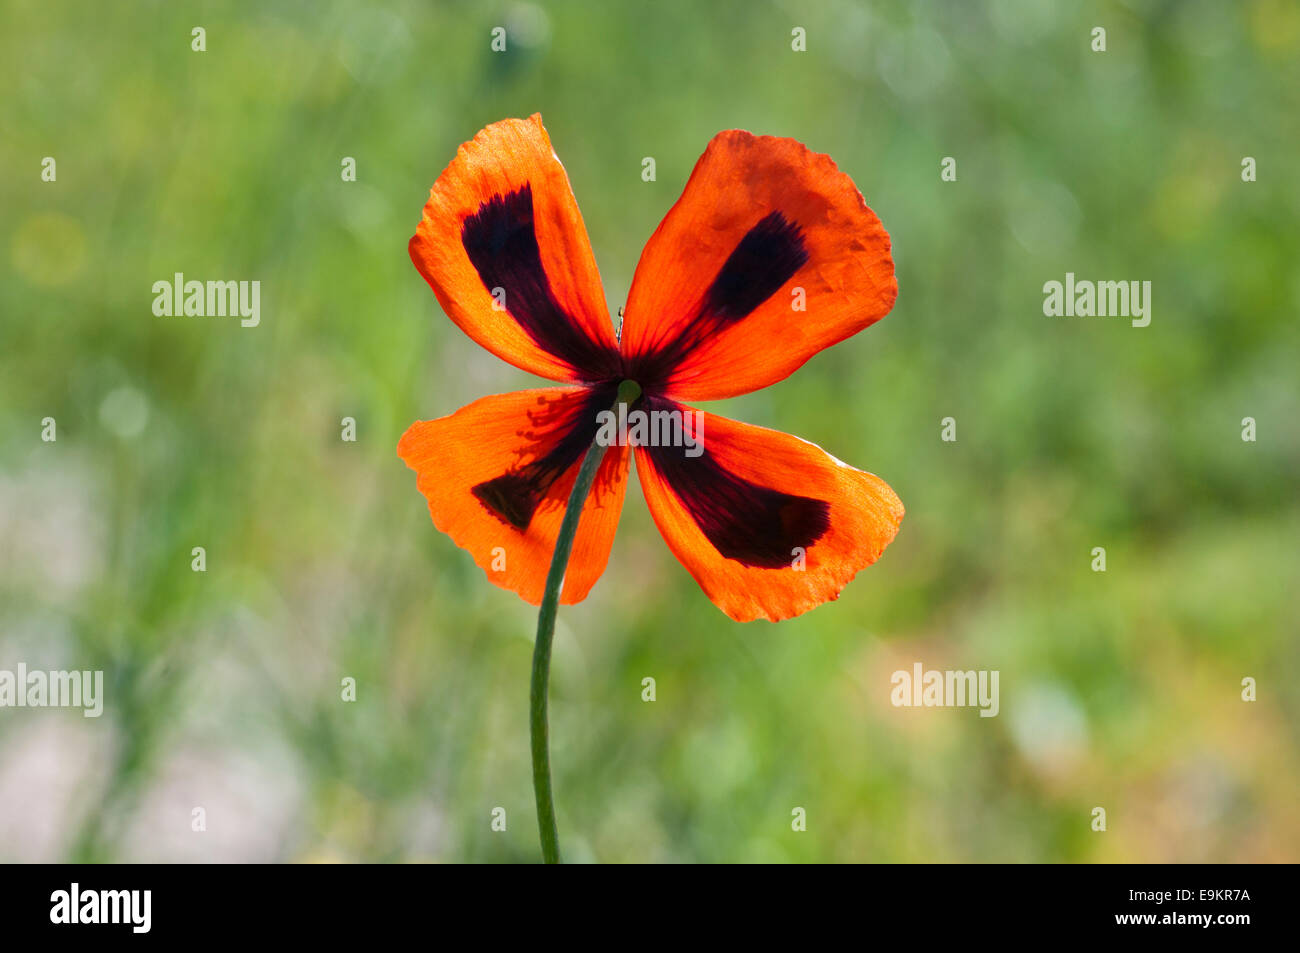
column 770, row 255
column 497, row 475
column 501, row 219
column 769, row 525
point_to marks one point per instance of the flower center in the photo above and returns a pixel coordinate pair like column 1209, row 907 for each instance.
column 628, row 391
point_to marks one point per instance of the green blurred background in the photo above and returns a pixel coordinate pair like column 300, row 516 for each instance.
column 1120, row 690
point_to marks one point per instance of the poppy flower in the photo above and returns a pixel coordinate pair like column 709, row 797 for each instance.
column 769, row 256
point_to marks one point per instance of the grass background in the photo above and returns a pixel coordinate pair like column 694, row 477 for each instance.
column 1119, row 690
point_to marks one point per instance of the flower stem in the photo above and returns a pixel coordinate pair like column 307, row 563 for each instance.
column 540, row 730
column 539, row 727
column 538, row 724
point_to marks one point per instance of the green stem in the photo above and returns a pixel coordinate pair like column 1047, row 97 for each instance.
column 539, row 727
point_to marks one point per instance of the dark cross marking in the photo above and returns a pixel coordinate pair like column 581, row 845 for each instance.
column 501, row 241
column 754, row 525
column 764, row 260
column 514, row 496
